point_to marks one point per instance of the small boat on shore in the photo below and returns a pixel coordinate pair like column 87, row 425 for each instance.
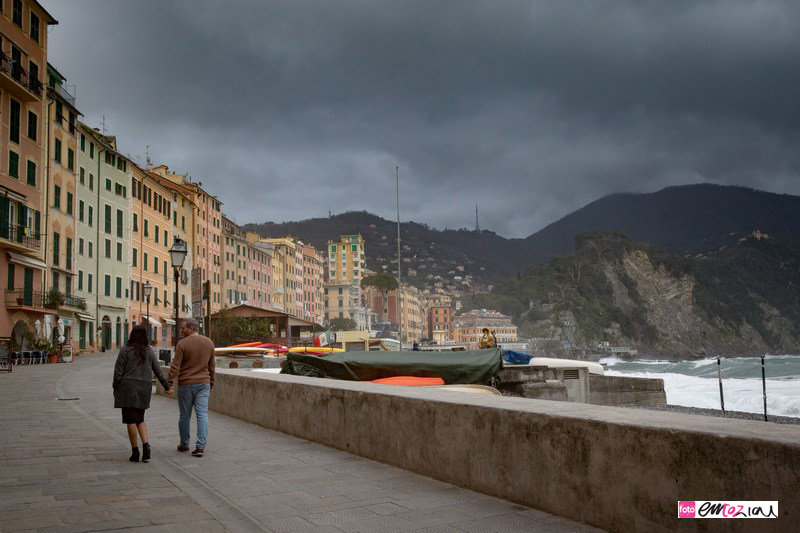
column 551, row 362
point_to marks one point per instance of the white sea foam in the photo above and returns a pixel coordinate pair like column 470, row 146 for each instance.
column 783, row 395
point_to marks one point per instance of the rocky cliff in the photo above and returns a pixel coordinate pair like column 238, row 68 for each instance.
column 740, row 299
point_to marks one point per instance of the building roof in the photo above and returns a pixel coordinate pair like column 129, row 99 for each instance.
column 51, row 21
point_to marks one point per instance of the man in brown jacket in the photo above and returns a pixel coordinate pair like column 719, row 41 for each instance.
column 193, row 367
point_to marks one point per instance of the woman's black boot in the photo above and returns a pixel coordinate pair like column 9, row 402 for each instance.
column 134, row 454
column 145, row 452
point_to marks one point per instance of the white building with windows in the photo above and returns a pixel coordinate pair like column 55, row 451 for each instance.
column 103, row 235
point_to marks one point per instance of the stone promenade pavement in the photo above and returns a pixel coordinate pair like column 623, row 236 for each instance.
column 64, row 467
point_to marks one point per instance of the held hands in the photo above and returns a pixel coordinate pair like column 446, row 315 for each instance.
column 169, row 391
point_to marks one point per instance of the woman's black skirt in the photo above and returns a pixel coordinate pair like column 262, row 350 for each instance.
column 132, row 415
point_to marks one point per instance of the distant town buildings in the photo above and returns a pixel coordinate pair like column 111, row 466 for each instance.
column 468, row 327
column 384, row 304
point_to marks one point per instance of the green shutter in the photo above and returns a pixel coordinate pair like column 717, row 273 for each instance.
column 13, row 164
column 11, row 270
column 38, row 219
column 32, row 173
column 4, row 217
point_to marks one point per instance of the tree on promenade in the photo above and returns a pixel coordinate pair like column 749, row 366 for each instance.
column 228, row 328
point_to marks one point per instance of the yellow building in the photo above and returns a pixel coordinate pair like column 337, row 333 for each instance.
column 346, row 260
column 182, row 208
column 62, row 204
column 343, row 300
column 287, row 275
column 152, row 236
column 413, row 314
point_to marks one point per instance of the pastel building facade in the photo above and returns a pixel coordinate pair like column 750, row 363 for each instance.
column 23, row 180
column 247, row 268
column 313, row 272
column 384, row 304
column 103, row 235
column 287, row 274
column 61, row 207
column 204, row 232
column 152, row 235
column 440, row 315
column 346, row 260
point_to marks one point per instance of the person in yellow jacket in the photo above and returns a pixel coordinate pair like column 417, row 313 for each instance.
column 487, row 340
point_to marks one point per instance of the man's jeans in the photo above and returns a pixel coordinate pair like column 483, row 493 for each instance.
column 193, row 396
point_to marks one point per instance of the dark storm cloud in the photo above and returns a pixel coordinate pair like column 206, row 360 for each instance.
column 289, row 109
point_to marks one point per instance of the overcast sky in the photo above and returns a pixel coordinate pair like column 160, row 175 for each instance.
column 289, row 109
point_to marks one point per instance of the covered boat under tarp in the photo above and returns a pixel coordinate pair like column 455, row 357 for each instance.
column 470, row 367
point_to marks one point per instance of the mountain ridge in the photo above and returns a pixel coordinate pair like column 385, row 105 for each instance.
column 684, row 219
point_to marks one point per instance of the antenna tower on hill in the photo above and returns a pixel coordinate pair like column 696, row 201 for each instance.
column 477, row 226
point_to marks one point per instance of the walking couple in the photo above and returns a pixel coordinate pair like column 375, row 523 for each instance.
column 192, row 367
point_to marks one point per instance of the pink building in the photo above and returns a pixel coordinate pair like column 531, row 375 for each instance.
column 23, row 180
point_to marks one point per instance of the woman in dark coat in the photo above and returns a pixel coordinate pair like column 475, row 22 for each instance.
column 133, row 384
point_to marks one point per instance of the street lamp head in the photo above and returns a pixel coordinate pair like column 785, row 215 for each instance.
column 178, row 253
column 147, row 289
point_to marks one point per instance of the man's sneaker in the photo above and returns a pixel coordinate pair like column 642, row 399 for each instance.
column 183, row 448
column 198, row 452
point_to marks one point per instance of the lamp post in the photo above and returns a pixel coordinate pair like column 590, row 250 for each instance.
column 147, row 289
column 177, row 255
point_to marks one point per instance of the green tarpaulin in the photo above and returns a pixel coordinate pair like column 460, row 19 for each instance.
column 475, row 367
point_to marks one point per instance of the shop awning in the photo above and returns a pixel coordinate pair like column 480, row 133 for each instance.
column 169, row 321
column 25, row 260
column 85, row 317
column 12, row 194
column 153, row 322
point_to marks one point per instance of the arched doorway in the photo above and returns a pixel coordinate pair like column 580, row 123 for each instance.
column 19, row 335
column 118, row 333
column 105, row 334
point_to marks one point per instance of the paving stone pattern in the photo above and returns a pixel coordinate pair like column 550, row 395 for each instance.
column 64, row 467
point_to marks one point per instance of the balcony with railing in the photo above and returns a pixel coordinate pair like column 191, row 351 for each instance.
column 25, row 87
column 23, row 236
column 63, row 93
column 74, row 301
column 24, row 298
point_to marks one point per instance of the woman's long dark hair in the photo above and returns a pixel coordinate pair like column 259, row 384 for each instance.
column 139, row 342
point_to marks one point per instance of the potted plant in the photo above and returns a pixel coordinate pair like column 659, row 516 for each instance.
column 53, row 352
column 54, row 299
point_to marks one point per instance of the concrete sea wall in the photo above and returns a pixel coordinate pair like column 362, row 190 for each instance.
column 623, row 390
column 618, row 469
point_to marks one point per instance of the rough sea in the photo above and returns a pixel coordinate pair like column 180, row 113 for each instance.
column 695, row 383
